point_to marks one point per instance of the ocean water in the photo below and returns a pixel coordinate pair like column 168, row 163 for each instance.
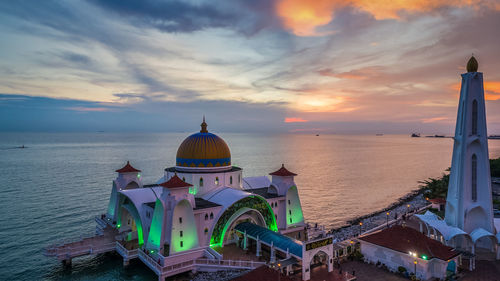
column 53, row 189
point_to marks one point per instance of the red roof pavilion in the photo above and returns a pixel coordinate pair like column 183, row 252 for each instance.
column 283, row 172
column 128, row 169
column 406, row 239
column 175, row 182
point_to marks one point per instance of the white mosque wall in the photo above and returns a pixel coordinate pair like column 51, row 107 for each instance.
column 205, row 220
column 184, row 235
column 203, row 183
column 294, row 215
column 128, row 181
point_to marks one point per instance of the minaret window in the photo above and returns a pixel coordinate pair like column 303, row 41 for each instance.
column 474, row 117
column 211, row 216
column 239, row 178
column 206, row 216
column 474, row 177
column 206, row 230
column 216, row 180
column 201, row 182
column 182, row 244
column 180, row 219
column 231, row 180
column 180, row 233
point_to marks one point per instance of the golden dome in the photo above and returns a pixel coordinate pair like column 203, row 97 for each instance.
column 203, row 150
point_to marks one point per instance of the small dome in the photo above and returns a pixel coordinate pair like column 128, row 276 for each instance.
column 203, row 150
column 472, row 65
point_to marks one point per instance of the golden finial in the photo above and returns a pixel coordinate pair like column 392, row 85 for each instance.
column 203, row 126
column 472, row 65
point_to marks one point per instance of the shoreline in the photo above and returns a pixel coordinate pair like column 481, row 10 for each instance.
column 374, row 219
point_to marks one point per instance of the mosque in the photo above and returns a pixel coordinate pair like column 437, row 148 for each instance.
column 198, row 202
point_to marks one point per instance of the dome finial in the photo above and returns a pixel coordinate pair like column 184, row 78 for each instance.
column 472, row 65
column 203, row 126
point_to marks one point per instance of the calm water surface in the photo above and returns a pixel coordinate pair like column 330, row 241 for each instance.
column 53, row 189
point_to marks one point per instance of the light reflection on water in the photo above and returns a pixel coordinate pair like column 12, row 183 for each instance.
column 53, row 188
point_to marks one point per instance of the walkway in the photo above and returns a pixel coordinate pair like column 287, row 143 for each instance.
column 91, row 245
column 269, row 237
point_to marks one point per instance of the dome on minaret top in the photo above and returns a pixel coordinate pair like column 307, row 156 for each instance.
column 472, row 65
column 203, row 150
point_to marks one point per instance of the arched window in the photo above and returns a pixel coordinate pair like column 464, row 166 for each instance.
column 206, row 230
column 183, row 179
column 474, row 117
column 180, row 219
column 231, row 180
column 474, row 177
column 211, row 216
column 206, row 216
column 216, row 180
column 201, row 182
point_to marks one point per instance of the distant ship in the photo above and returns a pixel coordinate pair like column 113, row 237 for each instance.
column 379, row 135
column 436, row 136
column 494, row 137
column 415, row 135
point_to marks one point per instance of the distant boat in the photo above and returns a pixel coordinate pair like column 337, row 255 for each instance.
column 379, row 135
column 22, row 146
column 436, row 136
column 415, row 135
column 317, row 135
column 494, row 137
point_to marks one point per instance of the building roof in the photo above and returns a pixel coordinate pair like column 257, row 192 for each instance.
column 256, row 182
column 128, row 169
column 263, row 273
column 438, row 201
column 204, row 204
column 406, row 239
column 268, row 236
column 263, row 192
column 175, row 182
column 283, row 172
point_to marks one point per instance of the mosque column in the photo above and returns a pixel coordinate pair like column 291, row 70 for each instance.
column 257, row 251
column 245, row 241
column 273, row 255
column 498, row 251
column 421, row 228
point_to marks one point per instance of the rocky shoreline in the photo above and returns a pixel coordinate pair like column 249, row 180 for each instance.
column 414, row 199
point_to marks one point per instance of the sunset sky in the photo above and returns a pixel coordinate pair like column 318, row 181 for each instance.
column 354, row 66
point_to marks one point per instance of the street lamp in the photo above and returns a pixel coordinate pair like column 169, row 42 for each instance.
column 360, row 225
column 407, row 208
column 387, row 219
column 415, row 262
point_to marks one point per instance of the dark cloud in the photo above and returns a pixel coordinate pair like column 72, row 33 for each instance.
column 182, row 16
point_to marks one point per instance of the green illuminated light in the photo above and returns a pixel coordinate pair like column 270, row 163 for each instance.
column 138, row 175
column 424, row 257
column 118, row 225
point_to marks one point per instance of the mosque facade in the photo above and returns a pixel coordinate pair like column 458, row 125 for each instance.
column 199, row 201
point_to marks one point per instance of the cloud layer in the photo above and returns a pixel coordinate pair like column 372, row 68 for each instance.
column 342, row 66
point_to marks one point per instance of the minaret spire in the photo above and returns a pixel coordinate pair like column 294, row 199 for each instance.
column 203, row 126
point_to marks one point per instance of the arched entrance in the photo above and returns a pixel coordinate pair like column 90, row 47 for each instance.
column 129, row 222
column 242, row 215
column 319, row 259
column 254, row 207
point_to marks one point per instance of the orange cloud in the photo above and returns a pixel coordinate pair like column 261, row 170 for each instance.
column 492, row 90
column 303, row 16
column 294, row 120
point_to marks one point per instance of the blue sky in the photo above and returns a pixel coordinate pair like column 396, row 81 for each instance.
column 259, row 66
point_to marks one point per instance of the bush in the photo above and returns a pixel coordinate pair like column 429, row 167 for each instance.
column 401, row 269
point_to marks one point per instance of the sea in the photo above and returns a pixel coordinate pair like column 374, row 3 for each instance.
column 53, row 188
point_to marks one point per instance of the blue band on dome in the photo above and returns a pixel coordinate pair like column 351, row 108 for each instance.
column 184, row 162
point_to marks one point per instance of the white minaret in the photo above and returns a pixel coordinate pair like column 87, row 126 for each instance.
column 469, row 202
